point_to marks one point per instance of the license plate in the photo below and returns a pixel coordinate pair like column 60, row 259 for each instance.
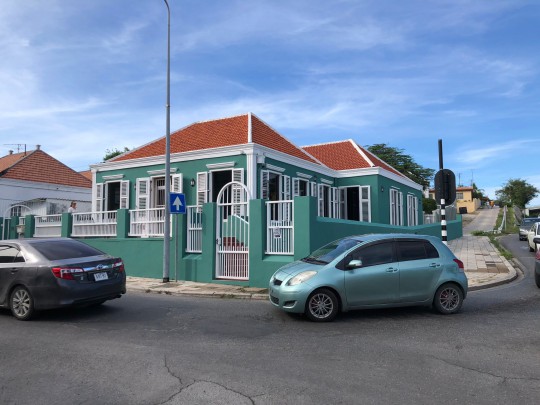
column 101, row 276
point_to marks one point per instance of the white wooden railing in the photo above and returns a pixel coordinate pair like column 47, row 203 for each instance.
column 94, row 224
column 147, row 223
column 279, row 227
column 194, row 229
column 48, row 226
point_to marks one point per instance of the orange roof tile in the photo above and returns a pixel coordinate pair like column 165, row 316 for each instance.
column 218, row 133
column 347, row 155
column 41, row 167
column 266, row 136
column 87, row 174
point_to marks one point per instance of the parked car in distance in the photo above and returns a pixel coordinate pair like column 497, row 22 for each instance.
column 371, row 271
column 533, row 233
column 38, row 274
column 525, row 226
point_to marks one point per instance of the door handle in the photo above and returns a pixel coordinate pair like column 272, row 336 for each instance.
column 391, row 270
column 13, row 271
column 435, row 265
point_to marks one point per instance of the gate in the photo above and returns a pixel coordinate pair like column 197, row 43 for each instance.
column 233, row 232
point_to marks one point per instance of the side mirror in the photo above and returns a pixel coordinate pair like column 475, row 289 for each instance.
column 354, row 264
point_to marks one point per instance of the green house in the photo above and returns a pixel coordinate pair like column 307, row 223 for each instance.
column 255, row 201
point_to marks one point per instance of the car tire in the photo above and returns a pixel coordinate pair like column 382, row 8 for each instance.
column 21, row 304
column 322, row 306
column 448, row 299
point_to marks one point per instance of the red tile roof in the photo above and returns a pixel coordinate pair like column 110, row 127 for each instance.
column 217, row 133
column 346, row 155
column 40, row 167
column 87, row 174
column 266, row 136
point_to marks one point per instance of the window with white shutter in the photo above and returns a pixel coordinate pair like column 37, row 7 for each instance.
column 202, row 188
column 124, row 194
column 143, row 193
column 176, row 183
column 98, row 200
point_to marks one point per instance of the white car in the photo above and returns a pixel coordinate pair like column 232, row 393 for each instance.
column 534, row 232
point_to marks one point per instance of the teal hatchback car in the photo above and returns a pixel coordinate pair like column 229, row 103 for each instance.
column 371, row 271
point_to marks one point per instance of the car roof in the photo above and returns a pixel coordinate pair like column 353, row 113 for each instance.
column 382, row 236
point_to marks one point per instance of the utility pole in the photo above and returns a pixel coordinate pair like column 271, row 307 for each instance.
column 167, row 219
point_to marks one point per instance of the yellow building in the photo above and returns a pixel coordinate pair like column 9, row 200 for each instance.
column 465, row 203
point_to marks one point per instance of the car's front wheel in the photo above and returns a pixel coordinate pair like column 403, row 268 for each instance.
column 21, row 304
column 322, row 306
column 448, row 299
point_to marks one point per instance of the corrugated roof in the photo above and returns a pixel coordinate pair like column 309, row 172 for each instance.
column 40, row 167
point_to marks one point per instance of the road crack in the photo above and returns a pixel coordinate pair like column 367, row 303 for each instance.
column 502, row 377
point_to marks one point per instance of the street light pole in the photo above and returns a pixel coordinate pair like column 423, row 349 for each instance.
column 167, row 219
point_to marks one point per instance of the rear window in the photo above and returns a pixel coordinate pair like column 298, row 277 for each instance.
column 529, row 221
column 416, row 250
column 65, row 249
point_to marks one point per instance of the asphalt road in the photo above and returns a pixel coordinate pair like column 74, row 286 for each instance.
column 153, row 349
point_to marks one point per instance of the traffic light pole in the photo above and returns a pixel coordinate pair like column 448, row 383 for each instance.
column 444, row 232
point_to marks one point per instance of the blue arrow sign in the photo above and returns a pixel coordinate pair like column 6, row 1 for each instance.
column 177, row 203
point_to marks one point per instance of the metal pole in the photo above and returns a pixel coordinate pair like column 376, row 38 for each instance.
column 444, row 232
column 177, row 218
column 167, row 219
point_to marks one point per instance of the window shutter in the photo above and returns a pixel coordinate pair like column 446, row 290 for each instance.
column 98, row 202
column 238, row 175
column 365, row 204
column 342, row 201
column 313, row 189
column 265, row 179
column 285, row 188
column 124, row 194
column 143, row 193
column 400, row 208
column 176, row 183
column 321, row 199
column 296, row 187
column 202, row 188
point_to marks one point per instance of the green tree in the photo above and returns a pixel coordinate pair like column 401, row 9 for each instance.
column 429, row 205
column 110, row 153
column 403, row 163
column 517, row 192
column 478, row 192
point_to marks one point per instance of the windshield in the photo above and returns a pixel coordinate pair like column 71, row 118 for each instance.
column 334, row 249
column 529, row 221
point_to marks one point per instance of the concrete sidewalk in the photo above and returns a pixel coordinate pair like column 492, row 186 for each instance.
column 483, row 265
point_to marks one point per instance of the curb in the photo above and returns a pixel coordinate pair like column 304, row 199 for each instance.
column 201, row 294
column 503, row 281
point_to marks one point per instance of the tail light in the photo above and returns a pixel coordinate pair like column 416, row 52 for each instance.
column 119, row 266
column 66, row 273
column 460, row 265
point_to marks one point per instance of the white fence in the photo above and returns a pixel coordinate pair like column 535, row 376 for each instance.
column 48, row 226
column 194, row 229
column 94, row 224
column 279, row 227
column 147, row 223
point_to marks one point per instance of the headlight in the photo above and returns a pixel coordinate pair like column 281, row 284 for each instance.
column 300, row 278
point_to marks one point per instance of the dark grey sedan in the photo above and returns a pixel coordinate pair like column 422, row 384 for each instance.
column 38, row 274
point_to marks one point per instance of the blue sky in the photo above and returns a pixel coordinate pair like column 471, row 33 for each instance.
column 82, row 77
